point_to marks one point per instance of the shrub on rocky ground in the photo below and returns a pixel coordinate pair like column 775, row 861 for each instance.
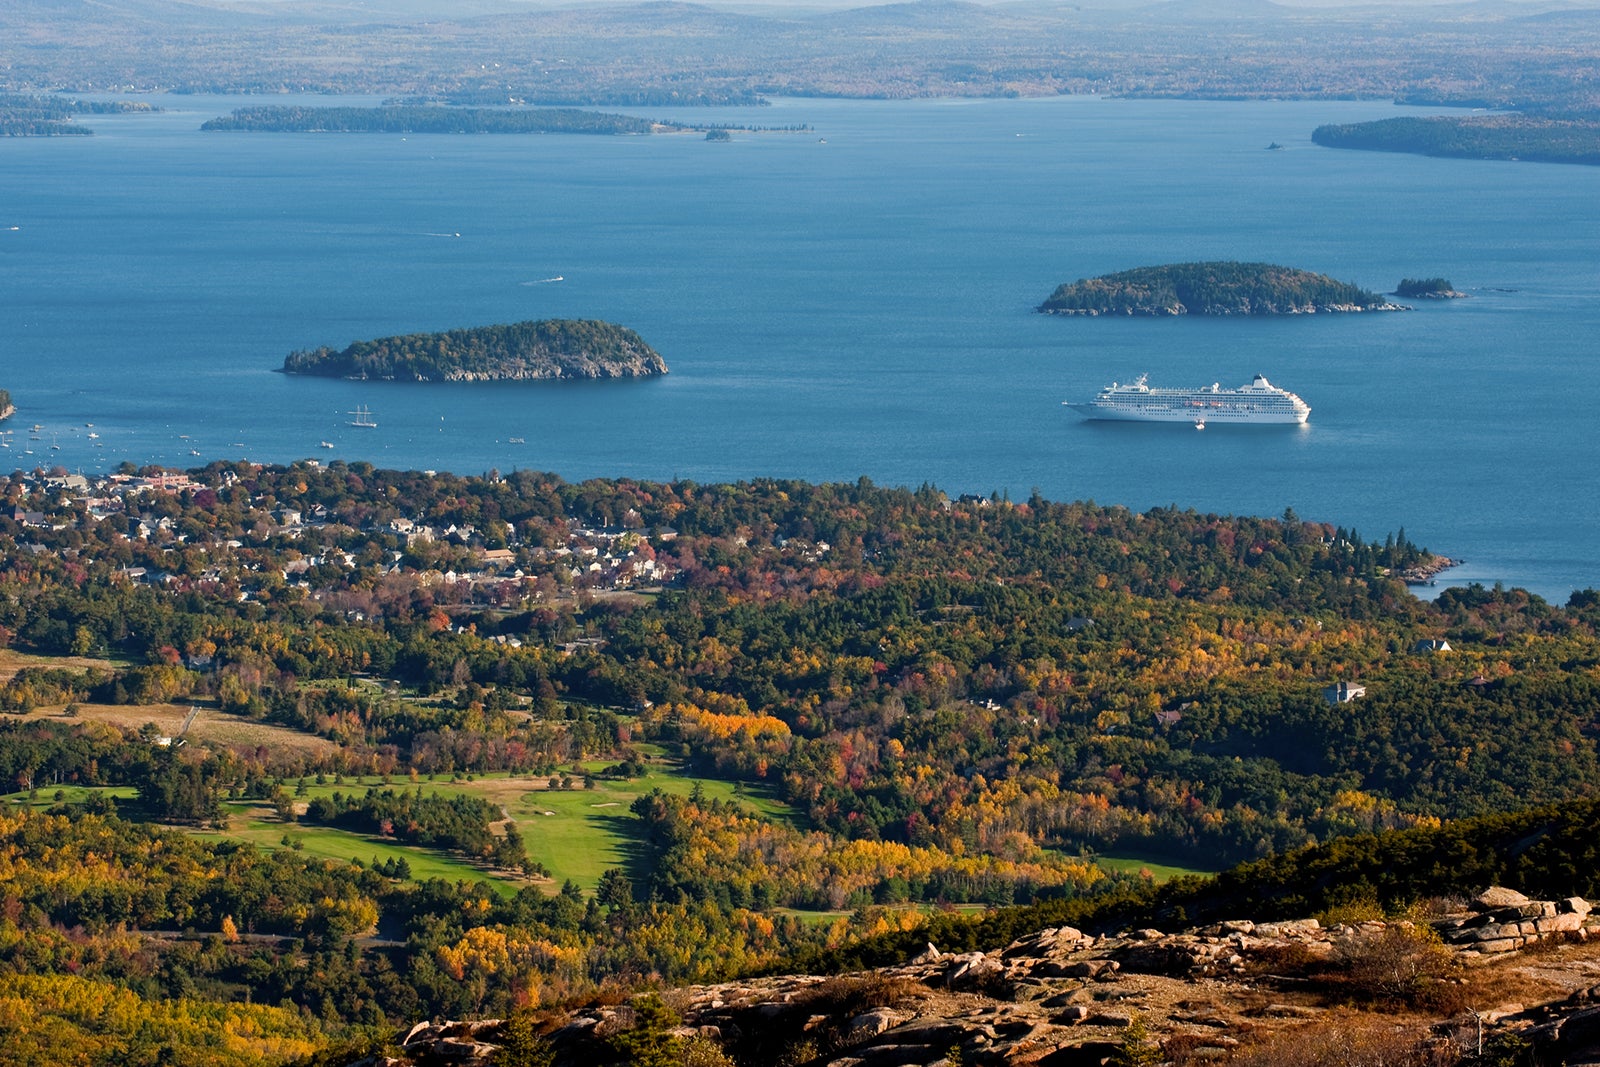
column 1398, row 964
column 856, row 994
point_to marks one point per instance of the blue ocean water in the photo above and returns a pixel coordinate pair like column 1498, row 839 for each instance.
column 855, row 300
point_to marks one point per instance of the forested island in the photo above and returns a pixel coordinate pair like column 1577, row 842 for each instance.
column 1211, row 288
column 24, row 115
column 7, row 409
column 434, row 118
column 521, row 351
column 1530, row 138
column 391, row 119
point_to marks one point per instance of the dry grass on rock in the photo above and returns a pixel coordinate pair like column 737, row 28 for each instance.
column 1348, row 1039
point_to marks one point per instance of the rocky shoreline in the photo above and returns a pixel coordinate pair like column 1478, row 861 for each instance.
column 574, row 369
column 1424, row 573
column 1159, row 311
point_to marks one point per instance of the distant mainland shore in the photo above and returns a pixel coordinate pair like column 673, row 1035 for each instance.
column 1212, row 288
column 521, row 351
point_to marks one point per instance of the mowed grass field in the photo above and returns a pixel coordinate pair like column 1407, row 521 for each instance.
column 258, row 825
column 581, row 833
column 1133, row 863
column 209, row 725
column 575, row 833
column 12, row 661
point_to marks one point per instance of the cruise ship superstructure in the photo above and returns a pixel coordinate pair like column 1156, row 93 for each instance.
column 1259, row 403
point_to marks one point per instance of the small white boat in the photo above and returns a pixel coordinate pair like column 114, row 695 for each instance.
column 324, row 444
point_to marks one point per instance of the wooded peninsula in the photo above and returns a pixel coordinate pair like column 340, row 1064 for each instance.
column 24, row 115
column 521, row 351
column 1211, row 288
column 1509, row 137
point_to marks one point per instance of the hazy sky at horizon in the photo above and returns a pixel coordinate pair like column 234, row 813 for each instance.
column 444, row 7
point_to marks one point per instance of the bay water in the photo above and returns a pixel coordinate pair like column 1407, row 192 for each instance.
column 853, row 300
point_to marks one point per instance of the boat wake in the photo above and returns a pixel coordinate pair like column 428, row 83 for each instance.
column 545, row 281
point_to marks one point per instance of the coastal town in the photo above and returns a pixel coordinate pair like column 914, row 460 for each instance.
column 166, row 530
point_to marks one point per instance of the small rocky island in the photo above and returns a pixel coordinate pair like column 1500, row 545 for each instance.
column 6, row 408
column 520, row 351
column 1427, row 289
column 1212, row 288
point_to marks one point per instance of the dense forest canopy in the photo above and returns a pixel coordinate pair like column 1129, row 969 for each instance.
column 1212, row 288
column 916, row 700
column 1548, row 851
column 880, row 657
column 549, row 348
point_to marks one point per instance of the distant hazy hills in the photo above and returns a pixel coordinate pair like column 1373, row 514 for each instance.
column 202, row 13
column 1534, row 54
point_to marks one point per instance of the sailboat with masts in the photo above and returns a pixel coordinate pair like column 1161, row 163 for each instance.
column 362, row 417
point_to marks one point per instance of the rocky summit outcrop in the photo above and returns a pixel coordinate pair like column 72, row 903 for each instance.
column 1503, row 920
column 1064, row 997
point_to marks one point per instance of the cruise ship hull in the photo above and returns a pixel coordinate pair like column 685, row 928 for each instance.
column 1258, row 404
column 1191, row 415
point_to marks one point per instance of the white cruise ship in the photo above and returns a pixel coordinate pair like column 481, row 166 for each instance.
column 1259, row 403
